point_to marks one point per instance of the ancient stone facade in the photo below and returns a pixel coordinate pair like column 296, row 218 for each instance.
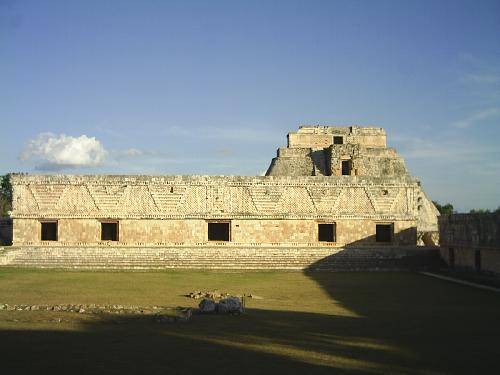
column 333, row 186
column 471, row 241
column 337, row 151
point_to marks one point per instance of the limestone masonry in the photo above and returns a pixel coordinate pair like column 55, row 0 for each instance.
column 471, row 241
column 332, row 186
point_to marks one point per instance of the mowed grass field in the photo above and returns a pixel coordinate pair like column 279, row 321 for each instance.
column 307, row 323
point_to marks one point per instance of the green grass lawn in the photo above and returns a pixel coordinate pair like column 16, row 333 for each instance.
column 305, row 323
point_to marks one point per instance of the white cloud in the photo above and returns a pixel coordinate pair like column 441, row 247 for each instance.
column 52, row 151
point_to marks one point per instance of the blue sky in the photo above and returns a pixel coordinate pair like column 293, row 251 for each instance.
column 212, row 87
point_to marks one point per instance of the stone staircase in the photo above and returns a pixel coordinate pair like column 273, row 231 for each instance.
column 219, row 257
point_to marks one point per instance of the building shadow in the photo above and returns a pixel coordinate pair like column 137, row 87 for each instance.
column 388, row 323
column 368, row 254
column 261, row 341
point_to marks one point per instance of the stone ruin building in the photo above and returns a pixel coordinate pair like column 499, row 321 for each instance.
column 334, row 194
column 471, row 242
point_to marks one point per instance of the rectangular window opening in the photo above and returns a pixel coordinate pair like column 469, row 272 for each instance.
column 346, row 167
column 327, row 232
column 109, row 231
column 49, row 231
column 477, row 260
column 218, row 231
column 338, row 140
column 384, row 232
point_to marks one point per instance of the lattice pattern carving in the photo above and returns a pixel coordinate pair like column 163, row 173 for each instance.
column 383, row 197
column 76, row 199
column 47, row 196
column 325, row 198
column 169, row 197
column 107, row 197
column 295, row 200
column 241, row 200
column 129, row 196
column 355, row 201
column 137, row 199
column 265, row 197
column 195, row 200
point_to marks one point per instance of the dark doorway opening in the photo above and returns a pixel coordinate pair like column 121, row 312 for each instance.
column 218, row 232
column 109, row 231
column 338, row 140
column 49, row 231
column 346, row 167
column 451, row 257
column 477, row 260
column 384, row 233
column 326, row 232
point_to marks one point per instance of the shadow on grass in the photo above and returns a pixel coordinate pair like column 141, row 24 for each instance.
column 260, row 341
column 432, row 327
column 400, row 323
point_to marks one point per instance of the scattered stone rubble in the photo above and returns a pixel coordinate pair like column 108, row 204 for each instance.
column 226, row 305
column 160, row 314
column 215, row 295
column 89, row 309
column 229, row 305
column 215, row 302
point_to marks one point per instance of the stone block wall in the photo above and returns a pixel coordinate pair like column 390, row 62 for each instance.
column 319, row 137
column 315, row 141
column 81, row 232
column 312, row 151
column 471, row 241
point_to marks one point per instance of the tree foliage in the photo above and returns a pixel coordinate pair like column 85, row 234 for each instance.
column 484, row 211
column 444, row 209
column 5, row 195
column 448, row 208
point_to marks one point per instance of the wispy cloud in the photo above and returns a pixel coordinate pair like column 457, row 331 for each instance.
column 483, row 77
column 480, row 82
column 224, row 152
column 240, row 133
column 444, row 150
column 224, row 161
column 480, row 78
column 477, row 117
column 132, row 152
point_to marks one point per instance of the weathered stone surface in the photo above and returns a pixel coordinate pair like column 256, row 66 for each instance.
column 207, row 306
column 231, row 256
column 313, row 151
column 230, row 305
column 179, row 314
column 215, row 294
column 471, row 241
